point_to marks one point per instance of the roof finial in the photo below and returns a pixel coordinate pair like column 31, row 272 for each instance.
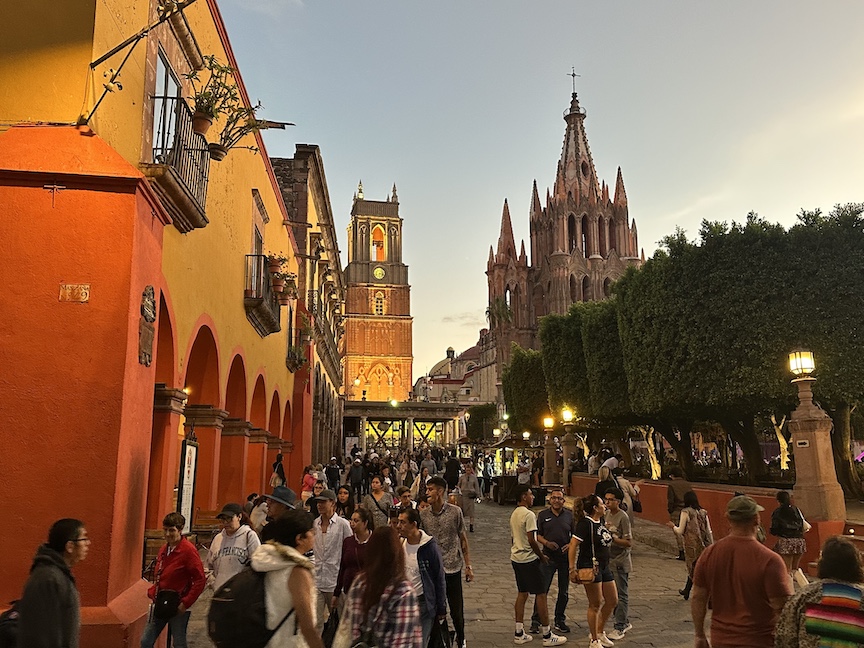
column 574, row 75
column 395, row 198
column 360, row 190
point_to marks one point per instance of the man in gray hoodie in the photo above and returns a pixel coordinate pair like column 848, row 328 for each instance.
column 50, row 608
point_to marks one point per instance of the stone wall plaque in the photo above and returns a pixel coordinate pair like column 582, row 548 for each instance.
column 77, row 293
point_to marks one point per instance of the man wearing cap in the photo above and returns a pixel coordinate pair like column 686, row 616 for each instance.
column 746, row 582
column 283, row 499
column 232, row 548
column 333, row 473
column 356, row 475
column 330, row 531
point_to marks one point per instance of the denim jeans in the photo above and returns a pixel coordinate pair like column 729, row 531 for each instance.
column 426, row 620
column 548, row 570
column 622, row 579
column 155, row 626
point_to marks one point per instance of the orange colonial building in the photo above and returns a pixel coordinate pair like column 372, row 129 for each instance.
column 138, row 303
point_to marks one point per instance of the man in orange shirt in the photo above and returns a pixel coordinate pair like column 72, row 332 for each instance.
column 746, row 582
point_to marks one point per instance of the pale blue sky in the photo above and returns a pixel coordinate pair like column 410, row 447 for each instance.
column 711, row 110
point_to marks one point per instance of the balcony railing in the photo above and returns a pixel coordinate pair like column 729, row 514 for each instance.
column 259, row 299
column 181, row 163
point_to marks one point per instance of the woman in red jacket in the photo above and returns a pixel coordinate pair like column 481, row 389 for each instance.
column 179, row 583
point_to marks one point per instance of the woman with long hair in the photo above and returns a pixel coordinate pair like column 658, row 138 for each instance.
column 353, row 551
column 817, row 612
column 279, row 471
column 470, row 489
column 589, row 547
column 418, row 488
column 694, row 528
column 378, row 501
column 789, row 526
column 307, row 482
column 289, row 584
column 605, row 480
column 345, row 502
column 381, row 604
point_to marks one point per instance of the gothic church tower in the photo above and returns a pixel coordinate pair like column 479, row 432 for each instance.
column 378, row 322
column 581, row 241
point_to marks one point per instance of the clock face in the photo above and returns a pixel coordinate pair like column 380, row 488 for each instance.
column 378, row 272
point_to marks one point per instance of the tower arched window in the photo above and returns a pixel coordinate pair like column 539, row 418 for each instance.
column 379, row 303
column 607, row 287
column 586, row 288
column 584, row 241
column 574, row 290
column 507, row 296
column 571, row 234
column 613, row 242
column 603, row 226
column 379, row 252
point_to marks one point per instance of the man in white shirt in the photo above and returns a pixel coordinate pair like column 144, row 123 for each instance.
column 526, row 555
column 330, row 531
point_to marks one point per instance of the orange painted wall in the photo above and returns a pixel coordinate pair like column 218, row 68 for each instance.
column 83, row 411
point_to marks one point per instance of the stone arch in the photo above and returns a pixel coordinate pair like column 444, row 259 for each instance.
column 286, row 432
column 202, row 369
column 378, row 306
column 166, row 347
column 572, row 240
column 585, row 242
column 378, row 251
column 258, row 406
column 574, row 289
column 607, row 286
column 603, row 226
column 235, row 393
column 586, row 288
column 274, row 426
column 538, row 300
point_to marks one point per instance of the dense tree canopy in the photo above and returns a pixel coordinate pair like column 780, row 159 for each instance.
column 564, row 361
column 525, row 390
column 482, row 419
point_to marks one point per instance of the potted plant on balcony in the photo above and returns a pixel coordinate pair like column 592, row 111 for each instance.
column 211, row 98
column 295, row 358
column 275, row 262
column 277, row 281
column 241, row 121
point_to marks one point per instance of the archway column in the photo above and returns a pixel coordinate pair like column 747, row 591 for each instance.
column 207, row 422
column 256, row 461
column 363, row 434
column 274, row 447
column 409, row 423
column 168, row 404
column 234, row 448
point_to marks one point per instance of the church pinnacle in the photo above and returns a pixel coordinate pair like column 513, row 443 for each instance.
column 506, row 242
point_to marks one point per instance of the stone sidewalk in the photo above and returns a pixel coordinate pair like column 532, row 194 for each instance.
column 659, row 615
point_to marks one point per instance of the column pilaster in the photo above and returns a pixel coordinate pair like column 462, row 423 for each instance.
column 168, row 404
column 234, row 449
column 207, row 422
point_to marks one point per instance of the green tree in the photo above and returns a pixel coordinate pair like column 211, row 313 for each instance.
column 482, row 419
column 525, row 390
column 564, row 362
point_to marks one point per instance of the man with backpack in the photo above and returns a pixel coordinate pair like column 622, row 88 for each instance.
column 49, row 609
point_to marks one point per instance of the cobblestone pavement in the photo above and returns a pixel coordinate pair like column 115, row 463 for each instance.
column 659, row 615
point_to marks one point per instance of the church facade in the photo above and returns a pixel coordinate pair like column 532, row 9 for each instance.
column 378, row 322
column 582, row 240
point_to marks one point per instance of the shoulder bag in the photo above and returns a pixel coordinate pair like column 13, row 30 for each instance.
column 587, row 575
column 623, row 504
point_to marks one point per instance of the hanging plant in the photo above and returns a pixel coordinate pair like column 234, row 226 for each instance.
column 240, row 122
column 216, row 95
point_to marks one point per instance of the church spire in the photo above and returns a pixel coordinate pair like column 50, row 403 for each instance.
column 576, row 174
column 360, row 190
column 620, row 192
column 536, row 208
column 395, row 197
column 506, row 243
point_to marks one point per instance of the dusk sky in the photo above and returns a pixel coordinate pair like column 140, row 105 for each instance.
column 710, row 109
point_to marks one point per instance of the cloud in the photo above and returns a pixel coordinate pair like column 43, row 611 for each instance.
column 469, row 319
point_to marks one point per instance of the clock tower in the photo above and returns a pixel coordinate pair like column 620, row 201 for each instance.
column 378, row 323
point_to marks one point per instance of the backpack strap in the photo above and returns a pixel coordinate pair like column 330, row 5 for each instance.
column 284, row 619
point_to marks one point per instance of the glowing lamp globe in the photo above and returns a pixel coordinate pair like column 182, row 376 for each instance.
column 526, row 435
column 548, row 422
column 567, row 415
column 496, row 432
column 801, row 363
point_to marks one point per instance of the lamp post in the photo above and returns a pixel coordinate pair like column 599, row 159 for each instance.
column 568, row 444
column 551, row 474
column 816, row 490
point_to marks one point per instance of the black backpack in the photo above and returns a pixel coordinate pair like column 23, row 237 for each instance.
column 9, row 627
column 238, row 612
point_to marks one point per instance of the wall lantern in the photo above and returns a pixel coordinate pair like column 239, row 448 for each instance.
column 801, row 363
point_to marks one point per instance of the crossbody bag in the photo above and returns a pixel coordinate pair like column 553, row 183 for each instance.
column 587, row 575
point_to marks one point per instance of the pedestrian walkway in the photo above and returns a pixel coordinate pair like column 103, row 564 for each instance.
column 659, row 615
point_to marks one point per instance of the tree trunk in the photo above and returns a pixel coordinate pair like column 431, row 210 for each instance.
column 744, row 434
column 648, row 435
column 682, row 446
column 784, row 442
column 841, row 445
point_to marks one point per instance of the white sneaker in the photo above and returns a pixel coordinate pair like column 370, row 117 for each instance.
column 604, row 640
column 615, row 635
column 523, row 638
column 595, row 644
column 554, row 640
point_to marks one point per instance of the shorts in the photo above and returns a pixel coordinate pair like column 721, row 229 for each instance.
column 791, row 546
column 604, row 575
column 529, row 577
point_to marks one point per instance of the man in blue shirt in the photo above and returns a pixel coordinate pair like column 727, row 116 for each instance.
column 554, row 528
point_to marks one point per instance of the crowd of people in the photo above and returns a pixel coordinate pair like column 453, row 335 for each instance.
column 381, row 561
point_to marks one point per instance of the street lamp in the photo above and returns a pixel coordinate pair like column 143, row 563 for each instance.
column 548, row 423
column 567, row 415
column 526, row 435
column 802, row 363
column 568, row 445
column 816, row 490
column 394, row 402
column 496, row 432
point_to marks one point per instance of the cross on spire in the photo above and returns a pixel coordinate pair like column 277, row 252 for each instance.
column 574, row 75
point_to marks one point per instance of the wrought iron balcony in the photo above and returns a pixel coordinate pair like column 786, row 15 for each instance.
column 181, row 163
column 259, row 299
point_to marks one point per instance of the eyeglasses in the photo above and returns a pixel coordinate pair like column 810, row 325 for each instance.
column 610, row 499
column 76, row 540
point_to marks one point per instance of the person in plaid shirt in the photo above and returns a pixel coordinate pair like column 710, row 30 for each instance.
column 381, row 599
